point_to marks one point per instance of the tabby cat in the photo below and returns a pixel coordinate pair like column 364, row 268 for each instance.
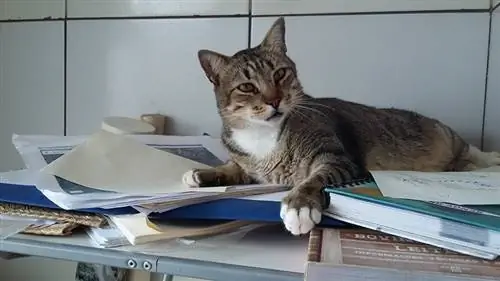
column 276, row 133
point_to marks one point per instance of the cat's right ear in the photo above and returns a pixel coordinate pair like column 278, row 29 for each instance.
column 212, row 63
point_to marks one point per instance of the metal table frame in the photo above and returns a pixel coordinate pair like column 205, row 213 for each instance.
column 154, row 264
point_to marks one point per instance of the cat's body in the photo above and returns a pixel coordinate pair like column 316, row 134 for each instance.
column 371, row 138
column 275, row 133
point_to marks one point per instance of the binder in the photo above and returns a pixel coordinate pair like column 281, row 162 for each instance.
column 235, row 209
column 249, row 209
column 30, row 195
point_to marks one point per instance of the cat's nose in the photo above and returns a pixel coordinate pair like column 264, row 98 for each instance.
column 275, row 103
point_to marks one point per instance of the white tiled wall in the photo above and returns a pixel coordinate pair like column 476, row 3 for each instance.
column 492, row 120
column 31, row 83
column 31, row 9
column 424, row 62
column 274, row 7
column 128, row 57
column 128, row 67
column 140, row 8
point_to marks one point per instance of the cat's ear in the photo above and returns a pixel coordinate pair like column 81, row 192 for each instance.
column 275, row 37
column 212, row 63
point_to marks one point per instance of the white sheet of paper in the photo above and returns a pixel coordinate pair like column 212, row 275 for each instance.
column 121, row 164
column 464, row 188
column 19, row 177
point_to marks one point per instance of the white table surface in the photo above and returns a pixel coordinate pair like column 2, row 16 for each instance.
column 263, row 254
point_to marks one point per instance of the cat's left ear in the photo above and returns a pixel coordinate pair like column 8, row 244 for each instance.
column 212, row 63
column 275, row 37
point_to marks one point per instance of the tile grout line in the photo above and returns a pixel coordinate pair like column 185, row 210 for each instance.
column 66, row 18
column 1, row 66
column 65, row 75
column 33, row 20
column 250, row 23
column 485, row 96
column 403, row 12
column 495, row 7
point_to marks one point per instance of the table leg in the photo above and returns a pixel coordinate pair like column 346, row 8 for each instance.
column 168, row 277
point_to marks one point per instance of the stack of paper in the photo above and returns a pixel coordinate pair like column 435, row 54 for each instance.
column 12, row 224
column 107, row 237
column 138, row 230
column 109, row 171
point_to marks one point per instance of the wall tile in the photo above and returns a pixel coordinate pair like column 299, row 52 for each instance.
column 124, row 8
column 491, row 127
column 131, row 67
column 274, row 7
column 31, row 9
column 31, row 83
column 432, row 63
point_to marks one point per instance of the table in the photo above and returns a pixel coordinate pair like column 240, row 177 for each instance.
column 262, row 254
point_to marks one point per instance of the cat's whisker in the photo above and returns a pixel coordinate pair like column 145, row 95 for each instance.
column 295, row 111
column 313, row 104
column 304, row 107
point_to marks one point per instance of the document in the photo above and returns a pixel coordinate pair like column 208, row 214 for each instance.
column 117, row 163
column 38, row 151
column 83, row 188
column 463, row 188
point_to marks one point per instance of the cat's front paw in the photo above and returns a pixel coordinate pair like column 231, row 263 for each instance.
column 200, row 178
column 300, row 212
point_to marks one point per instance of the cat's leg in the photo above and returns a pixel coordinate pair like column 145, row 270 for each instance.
column 483, row 159
column 301, row 209
column 472, row 158
column 229, row 173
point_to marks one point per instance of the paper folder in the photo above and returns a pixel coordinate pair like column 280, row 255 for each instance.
column 30, row 195
column 235, row 209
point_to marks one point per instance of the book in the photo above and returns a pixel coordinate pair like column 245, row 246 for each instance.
column 138, row 229
column 469, row 227
column 363, row 254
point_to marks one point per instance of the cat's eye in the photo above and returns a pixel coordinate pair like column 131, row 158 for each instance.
column 247, row 88
column 279, row 74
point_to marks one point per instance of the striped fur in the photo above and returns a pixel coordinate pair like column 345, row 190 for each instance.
column 275, row 133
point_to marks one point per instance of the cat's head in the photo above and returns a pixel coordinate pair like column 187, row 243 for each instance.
column 258, row 85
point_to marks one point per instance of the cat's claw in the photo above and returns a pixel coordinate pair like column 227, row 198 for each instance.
column 299, row 221
column 191, row 178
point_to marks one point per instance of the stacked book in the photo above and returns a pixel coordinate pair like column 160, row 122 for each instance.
column 362, row 254
column 410, row 225
column 446, row 220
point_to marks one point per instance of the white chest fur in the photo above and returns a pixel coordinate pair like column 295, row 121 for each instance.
column 258, row 141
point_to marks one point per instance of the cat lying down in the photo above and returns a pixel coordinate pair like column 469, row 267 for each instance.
column 276, row 133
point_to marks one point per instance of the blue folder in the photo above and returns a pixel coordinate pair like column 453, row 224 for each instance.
column 235, row 209
column 30, row 195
